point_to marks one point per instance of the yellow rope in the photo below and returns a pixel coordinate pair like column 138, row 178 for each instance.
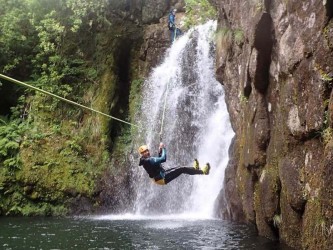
column 175, row 33
column 164, row 108
column 62, row 99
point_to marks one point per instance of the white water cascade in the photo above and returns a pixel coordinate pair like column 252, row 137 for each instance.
column 196, row 125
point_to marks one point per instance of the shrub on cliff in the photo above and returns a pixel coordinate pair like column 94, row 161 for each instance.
column 198, row 12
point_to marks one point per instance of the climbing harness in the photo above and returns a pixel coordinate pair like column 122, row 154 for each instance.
column 63, row 99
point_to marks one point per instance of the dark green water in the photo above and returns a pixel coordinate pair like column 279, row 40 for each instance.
column 110, row 233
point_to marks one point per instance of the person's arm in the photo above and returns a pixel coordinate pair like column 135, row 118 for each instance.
column 159, row 160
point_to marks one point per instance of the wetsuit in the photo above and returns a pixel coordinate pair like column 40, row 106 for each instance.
column 153, row 167
column 172, row 18
column 172, row 27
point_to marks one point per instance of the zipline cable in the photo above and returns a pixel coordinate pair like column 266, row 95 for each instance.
column 63, row 99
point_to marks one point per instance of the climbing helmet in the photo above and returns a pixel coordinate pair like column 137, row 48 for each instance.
column 143, row 148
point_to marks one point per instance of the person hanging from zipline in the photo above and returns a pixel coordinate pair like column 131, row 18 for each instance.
column 162, row 176
column 174, row 31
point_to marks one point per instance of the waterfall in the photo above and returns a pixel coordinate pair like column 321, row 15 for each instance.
column 196, row 125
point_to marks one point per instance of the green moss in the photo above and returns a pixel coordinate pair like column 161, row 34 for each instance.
column 243, row 99
column 322, row 227
column 135, row 97
column 243, row 175
column 327, row 135
column 326, row 32
column 59, row 160
column 316, row 226
column 256, row 196
column 259, row 5
column 277, row 219
column 224, row 38
column 239, row 36
column 323, row 76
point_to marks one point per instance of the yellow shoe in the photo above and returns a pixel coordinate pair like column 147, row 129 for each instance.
column 196, row 164
column 206, row 169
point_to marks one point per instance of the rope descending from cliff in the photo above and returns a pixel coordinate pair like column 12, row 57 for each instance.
column 175, row 34
column 164, row 108
column 63, row 99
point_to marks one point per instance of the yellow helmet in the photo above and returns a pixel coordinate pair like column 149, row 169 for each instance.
column 143, row 148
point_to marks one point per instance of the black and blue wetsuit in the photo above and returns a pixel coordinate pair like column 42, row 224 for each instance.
column 175, row 32
column 162, row 176
column 172, row 19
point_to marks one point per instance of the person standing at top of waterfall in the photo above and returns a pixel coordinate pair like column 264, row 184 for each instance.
column 174, row 31
column 162, row 176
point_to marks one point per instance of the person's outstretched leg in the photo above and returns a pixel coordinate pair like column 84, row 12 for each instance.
column 172, row 174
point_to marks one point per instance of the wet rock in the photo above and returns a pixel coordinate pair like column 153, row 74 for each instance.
column 144, row 11
column 327, row 194
column 153, row 10
column 110, row 192
column 227, row 203
column 263, row 42
column 292, row 186
column 330, row 111
column 267, row 204
column 256, row 133
column 291, row 222
column 291, row 49
column 278, row 87
column 247, row 195
column 156, row 41
column 80, row 205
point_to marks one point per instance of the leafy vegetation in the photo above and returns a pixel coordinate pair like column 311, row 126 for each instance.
column 51, row 152
column 224, row 38
column 243, row 99
column 198, row 12
column 238, row 36
column 327, row 132
column 10, row 139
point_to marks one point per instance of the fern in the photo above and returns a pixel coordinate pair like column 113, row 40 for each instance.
column 11, row 133
column 3, row 149
column 12, row 163
column 12, row 145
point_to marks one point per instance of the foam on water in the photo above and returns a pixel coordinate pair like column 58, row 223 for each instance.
column 138, row 217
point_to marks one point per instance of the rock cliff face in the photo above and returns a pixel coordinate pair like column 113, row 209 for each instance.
column 156, row 38
column 150, row 16
column 275, row 60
